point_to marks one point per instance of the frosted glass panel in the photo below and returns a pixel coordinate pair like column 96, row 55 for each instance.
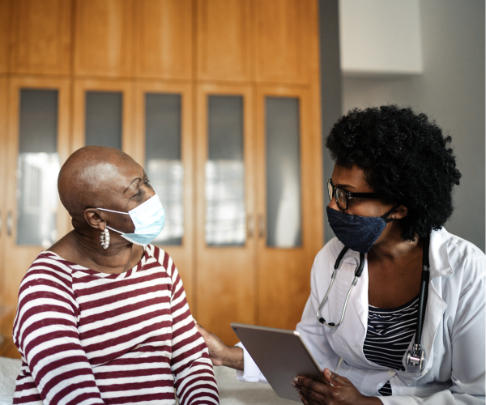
column 37, row 168
column 103, row 123
column 163, row 162
column 284, row 228
column 224, row 172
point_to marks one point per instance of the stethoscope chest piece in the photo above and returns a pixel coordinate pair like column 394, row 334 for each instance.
column 415, row 359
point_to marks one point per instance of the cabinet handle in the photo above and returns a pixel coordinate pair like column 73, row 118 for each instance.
column 9, row 224
column 1, row 223
column 250, row 226
column 261, row 226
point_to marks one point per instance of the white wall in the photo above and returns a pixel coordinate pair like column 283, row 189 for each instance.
column 451, row 91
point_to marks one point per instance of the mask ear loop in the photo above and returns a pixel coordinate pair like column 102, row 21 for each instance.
column 386, row 214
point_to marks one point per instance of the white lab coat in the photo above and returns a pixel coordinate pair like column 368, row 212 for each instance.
column 453, row 336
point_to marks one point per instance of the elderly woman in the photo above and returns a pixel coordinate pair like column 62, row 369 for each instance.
column 391, row 193
column 102, row 315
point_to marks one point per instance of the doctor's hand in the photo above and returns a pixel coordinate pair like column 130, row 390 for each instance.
column 220, row 353
column 335, row 390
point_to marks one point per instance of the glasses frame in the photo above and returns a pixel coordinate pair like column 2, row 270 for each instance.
column 331, row 190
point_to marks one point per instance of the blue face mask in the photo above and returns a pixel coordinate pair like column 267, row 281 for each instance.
column 148, row 218
column 355, row 232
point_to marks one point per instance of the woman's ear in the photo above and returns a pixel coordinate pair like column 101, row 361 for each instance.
column 94, row 219
column 399, row 212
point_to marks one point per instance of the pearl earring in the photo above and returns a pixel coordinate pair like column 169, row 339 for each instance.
column 105, row 238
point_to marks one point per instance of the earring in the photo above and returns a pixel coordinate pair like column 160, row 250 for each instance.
column 105, row 238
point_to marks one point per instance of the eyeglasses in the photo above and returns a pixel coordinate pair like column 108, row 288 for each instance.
column 343, row 196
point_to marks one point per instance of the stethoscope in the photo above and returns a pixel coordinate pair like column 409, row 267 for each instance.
column 416, row 356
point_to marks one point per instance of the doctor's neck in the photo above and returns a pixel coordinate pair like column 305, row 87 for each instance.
column 391, row 246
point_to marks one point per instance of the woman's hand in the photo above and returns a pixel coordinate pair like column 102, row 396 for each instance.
column 335, row 390
column 220, row 353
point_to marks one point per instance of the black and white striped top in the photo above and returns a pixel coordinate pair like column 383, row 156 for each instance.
column 389, row 334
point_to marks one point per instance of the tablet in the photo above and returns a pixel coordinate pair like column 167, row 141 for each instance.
column 280, row 354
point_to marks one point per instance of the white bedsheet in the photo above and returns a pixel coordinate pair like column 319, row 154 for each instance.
column 231, row 391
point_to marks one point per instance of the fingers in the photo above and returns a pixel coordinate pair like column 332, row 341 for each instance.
column 312, row 390
column 335, row 379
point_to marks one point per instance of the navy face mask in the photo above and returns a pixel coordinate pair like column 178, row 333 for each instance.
column 355, row 232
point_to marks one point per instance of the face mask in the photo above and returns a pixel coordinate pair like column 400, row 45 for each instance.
column 148, row 219
column 355, row 232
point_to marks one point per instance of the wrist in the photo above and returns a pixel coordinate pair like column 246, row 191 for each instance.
column 233, row 357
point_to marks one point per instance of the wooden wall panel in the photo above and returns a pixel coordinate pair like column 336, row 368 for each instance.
column 164, row 39
column 282, row 40
column 41, row 36
column 103, row 38
column 5, row 30
column 223, row 40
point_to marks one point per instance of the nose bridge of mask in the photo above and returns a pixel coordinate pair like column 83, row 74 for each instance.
column 143, row 215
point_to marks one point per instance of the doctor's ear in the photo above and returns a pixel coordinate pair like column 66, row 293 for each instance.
column 399, row 212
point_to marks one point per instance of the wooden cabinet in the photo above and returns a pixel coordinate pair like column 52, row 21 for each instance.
column 18, row 254
column 164, row 39
column 224, row 40
column 103, row 38
column 224, row 63
column 41, row 36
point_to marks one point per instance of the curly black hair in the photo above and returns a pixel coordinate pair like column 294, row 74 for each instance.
column 405, row 158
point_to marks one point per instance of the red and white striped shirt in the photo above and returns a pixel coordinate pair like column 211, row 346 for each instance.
column 88, row 337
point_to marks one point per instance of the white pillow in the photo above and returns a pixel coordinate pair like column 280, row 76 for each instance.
column 9, row 370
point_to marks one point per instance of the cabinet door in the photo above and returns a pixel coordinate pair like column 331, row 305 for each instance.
column 163, row 145
column 3, row 180
column 103, row 114
column 41, row 36
column 164, row 39
column 289, row 202
column 285, row 32
column 225, row 238
column 37, row 145
column 223, row 40
column 103, row 38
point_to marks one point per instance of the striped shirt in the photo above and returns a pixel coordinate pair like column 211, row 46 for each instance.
column 388, row 337
column 96, row 338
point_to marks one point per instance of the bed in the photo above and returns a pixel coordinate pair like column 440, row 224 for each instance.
column 232, row 392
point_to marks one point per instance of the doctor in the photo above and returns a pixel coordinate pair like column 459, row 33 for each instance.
column 413, row 329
